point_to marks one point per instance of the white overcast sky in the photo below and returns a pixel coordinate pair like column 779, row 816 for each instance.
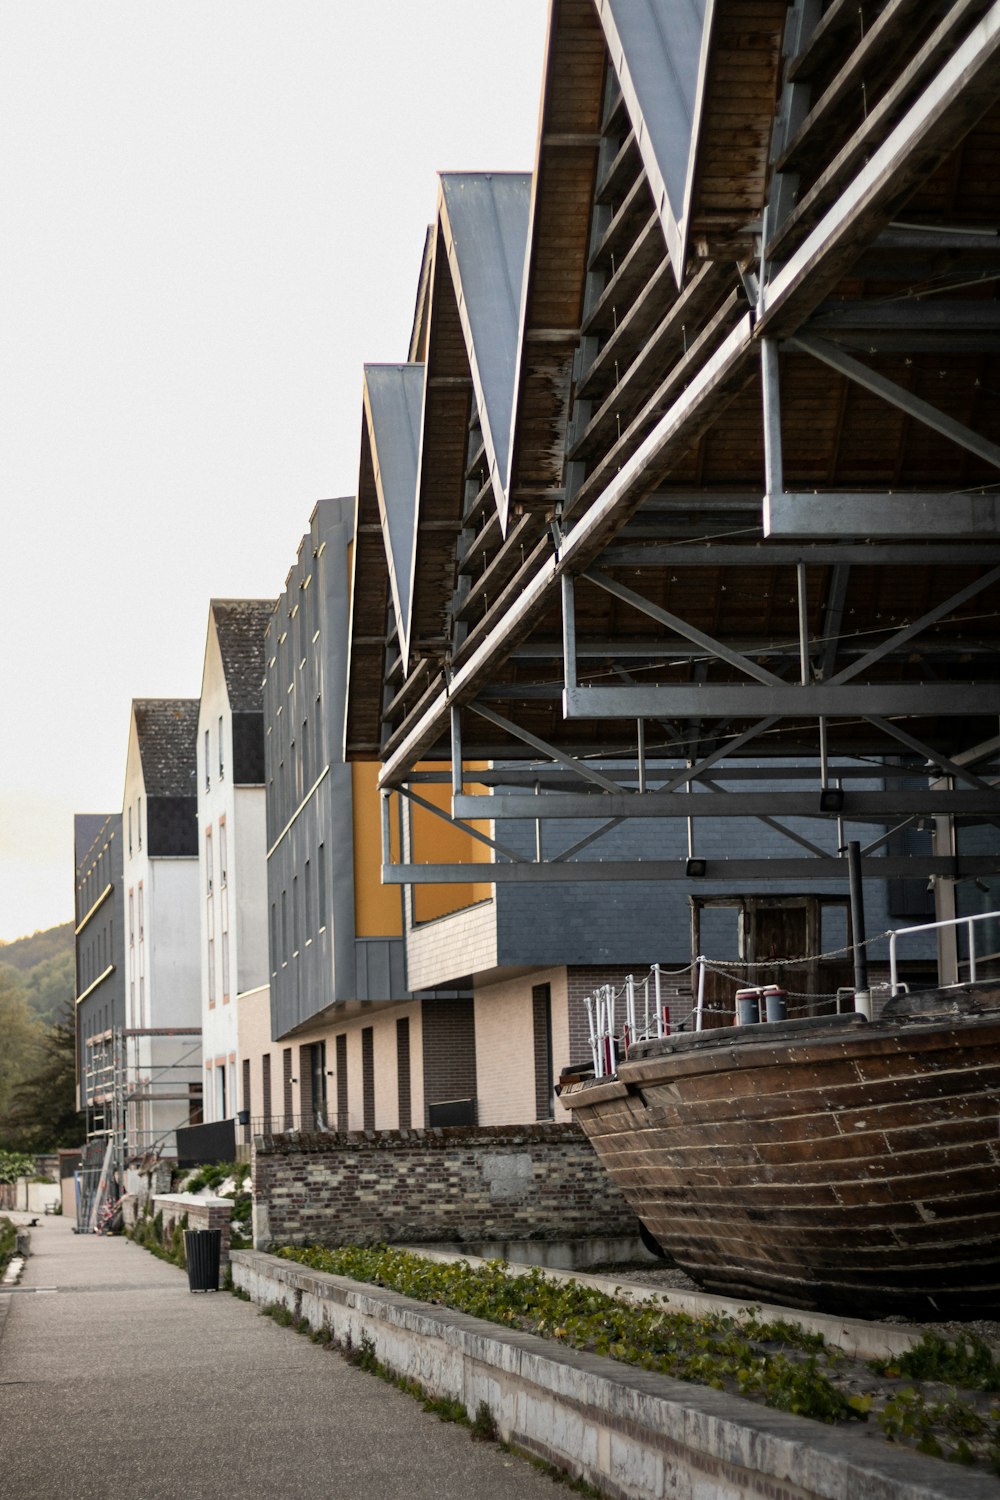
column 212, row 215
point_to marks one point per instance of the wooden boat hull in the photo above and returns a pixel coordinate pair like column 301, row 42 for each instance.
column 819, row 1163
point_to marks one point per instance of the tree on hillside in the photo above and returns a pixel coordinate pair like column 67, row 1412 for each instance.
column 25, row 952
column 43, row 1113
column 50, row 986
column 20, row 1052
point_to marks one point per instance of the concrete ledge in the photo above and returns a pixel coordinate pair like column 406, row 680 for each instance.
column 633, row 1434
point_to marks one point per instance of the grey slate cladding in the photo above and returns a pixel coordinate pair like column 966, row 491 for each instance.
column 241, row 626
column 167, row 730
column 241, row 629
column 100, row 927
column 315, row 958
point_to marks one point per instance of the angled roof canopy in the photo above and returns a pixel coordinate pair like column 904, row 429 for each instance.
column 483, row 219
column 393, row 395
column 659, row 50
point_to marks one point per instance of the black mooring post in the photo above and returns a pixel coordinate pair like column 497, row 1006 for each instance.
column 862, row 1000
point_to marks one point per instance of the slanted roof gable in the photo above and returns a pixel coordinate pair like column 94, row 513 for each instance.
column 393, row 395
column 484, row 223
column 659, row 50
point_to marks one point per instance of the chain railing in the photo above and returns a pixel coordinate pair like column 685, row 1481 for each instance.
column 636, row 1010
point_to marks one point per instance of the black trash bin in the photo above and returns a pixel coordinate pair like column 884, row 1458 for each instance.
column 203, row 1248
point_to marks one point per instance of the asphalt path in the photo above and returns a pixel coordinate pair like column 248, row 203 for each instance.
column 116, row 1380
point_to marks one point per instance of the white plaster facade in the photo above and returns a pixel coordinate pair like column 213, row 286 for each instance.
column 232, row 880
column 162, row 979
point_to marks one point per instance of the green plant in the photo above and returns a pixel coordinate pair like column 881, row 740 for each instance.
column 777, row 1363
column 8, row 1243
column 484, row 1427
column 968, row 1362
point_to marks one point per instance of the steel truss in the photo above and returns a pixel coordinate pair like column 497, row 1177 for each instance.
column 735, row 696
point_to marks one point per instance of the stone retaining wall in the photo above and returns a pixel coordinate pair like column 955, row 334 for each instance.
column 454, row 1185
column 633, row 1434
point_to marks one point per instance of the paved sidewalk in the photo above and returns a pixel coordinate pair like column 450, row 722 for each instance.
column 122, row 1382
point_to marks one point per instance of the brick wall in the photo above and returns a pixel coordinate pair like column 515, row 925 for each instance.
column 449, row 1050
column 539, row 1182
column 202, row 1213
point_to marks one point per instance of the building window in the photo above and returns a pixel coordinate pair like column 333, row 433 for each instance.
column 368, row 1076
column 295, row 915
column 208, row 764
column 220, row 1092
column 223, row 853
column 307, row 901
column 274, row 938
column 265, row 1092
column 211, row 971
column 541, row 1018
column 403, row 1072
column 321, row 886
column 284, row 927
column 222, row 768
column 138, row 821
column 225, row 968
column 286, row 1077
column 209, row 863
column 130, row 828
column 246, row 1084
column 342, row 1114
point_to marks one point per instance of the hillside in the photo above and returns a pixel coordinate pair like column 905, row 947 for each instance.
column 41, row 969
column 25, row 952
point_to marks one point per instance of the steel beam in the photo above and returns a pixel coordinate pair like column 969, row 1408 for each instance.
column 787, row 700
column 549, row 751
column 814, row 555
column 712, row 383
column 958, row 95
column 830, row 514
column 865, row 807
column 727, row 873
column 712, row 646
column 898, row 396
column 901, row 638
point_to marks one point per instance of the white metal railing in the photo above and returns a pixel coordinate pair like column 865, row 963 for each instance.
column 983, row 916
column 643, row 1012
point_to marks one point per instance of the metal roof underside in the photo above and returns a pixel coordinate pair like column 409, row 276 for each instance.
column 393, row 396
column 484, row 219
column 659, row 50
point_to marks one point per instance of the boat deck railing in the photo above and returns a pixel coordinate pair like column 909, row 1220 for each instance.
column 957, row 922
column 637, row 1011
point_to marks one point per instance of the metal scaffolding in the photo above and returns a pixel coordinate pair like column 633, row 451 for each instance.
column 136, row 1093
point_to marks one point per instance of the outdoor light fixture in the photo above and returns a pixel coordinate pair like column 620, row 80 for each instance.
column 695, row 869
column 831, row 799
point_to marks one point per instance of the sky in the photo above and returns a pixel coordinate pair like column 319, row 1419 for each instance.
column 212, row 216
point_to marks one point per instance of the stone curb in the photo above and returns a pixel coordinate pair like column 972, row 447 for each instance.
column 633, row 1434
